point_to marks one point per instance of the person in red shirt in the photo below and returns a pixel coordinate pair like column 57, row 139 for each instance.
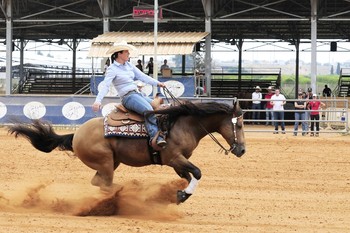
column 314, row 106
column 268, row 106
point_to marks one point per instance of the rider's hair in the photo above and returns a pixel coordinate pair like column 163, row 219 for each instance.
column 115, row 55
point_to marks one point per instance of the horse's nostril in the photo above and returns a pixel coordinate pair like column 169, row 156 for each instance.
column 240, row 153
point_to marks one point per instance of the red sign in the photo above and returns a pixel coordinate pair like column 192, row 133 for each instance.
column 145, row 12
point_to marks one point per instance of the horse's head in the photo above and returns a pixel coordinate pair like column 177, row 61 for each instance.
column 232, row 130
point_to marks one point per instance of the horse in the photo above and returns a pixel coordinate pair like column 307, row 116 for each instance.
column 188, row 123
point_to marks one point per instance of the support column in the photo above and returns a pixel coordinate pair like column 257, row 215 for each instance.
column 9, row 33
column 74, row 65
column 21, row 59
column 239, row 47
column 207, row 4
column 155, row 61
column 183, row 61
column 313, row 45
column 106, row 21
column 297, row 53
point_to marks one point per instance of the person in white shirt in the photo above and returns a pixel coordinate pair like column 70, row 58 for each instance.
column 256, row 104
column 278, row 101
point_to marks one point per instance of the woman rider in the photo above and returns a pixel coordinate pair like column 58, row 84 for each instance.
column 122, row 74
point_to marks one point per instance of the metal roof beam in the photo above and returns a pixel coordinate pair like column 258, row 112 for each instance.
column 259, row 6
column 55, row 8
column 260, row 19
column 56, row 20
column 3, row 11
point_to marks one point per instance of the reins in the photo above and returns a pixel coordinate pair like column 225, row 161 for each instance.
column 166, row 91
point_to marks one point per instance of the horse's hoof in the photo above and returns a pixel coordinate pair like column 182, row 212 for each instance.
column 111, row 189
column 182, row 196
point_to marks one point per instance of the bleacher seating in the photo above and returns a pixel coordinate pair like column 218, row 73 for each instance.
column 47, row 85
column 53, row 80
column 344, row 83
column 55, row 83
column 230, row 87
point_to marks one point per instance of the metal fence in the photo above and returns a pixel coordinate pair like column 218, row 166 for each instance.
column 333, row 118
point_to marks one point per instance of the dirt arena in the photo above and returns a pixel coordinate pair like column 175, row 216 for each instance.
column 282, row 184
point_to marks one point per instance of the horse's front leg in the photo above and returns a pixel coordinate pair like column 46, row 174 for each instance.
column 183, row 168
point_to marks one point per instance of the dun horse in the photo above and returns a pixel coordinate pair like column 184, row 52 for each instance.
column 188, row 124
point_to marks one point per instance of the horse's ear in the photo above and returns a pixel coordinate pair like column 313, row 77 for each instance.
column 235, row 101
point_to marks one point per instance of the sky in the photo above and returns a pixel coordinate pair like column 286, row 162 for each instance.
column 282, row 51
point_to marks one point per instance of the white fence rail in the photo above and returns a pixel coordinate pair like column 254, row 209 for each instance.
column 333, row 118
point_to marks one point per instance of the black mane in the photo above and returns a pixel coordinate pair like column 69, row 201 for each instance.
column 194, row 109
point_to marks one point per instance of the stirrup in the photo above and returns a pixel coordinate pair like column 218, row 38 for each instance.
column 161, row 142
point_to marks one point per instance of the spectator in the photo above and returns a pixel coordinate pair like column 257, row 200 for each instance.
column 150, row 66
column 139, row 65
column 327, row 92
column 308, row 96
column 256, row 104
column 299, row 115
column 164, row 66
column 268, row 106
column 108, row 62
column 314, row 106
column 277, row 101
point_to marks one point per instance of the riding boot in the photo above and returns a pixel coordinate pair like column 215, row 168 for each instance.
column 161, row 141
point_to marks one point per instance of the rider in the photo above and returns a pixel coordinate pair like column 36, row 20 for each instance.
column 121, row 73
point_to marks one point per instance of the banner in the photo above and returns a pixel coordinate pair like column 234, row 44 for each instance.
column 180, row 87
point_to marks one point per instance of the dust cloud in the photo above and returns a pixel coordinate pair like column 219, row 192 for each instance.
column 133, row 199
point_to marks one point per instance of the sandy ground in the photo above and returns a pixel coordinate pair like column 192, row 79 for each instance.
column 282, row 184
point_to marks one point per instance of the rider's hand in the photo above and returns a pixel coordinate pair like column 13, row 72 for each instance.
column 161, row 84
column 96, row 107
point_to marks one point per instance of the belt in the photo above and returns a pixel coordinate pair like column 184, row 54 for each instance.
column 129, row 93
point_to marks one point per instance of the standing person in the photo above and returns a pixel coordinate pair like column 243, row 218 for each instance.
column 268, row 106
column 278, row 101
column 314, row 106
column 307, row 115
column 150, row 66
column 299, row 115
column 108, row 63
column 121, row 73
column 327, row 92
column 164, row 66
column 139, row 65
column 256, row 103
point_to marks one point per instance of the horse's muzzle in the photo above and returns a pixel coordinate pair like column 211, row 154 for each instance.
column 238, row 149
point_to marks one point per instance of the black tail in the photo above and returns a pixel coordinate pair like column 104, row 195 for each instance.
column 42, row 136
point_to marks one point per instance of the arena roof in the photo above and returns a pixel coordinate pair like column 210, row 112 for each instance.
column 286, row 20
column 168, row 42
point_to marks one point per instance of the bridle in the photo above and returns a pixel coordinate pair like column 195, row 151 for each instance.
column 234, row 121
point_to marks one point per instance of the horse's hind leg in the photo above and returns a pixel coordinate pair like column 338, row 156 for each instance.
column 104, row 178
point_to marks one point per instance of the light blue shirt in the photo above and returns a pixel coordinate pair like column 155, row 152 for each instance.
column 122, row 76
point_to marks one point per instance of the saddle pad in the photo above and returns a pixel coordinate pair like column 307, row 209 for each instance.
column 137, row 130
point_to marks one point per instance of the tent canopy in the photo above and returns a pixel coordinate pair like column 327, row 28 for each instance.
column 169, row 43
